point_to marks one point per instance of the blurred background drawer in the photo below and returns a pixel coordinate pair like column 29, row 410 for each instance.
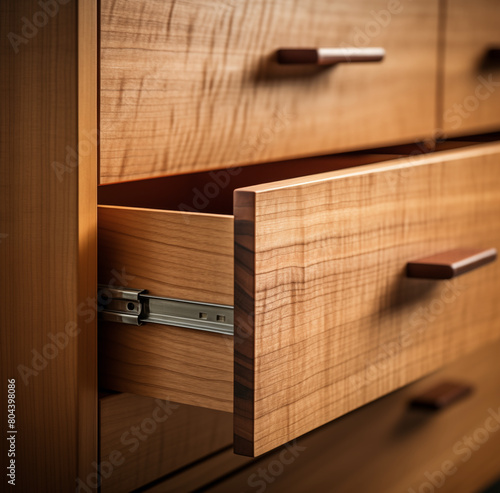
column 471, row 79
column 189, row 86
column 326, row 319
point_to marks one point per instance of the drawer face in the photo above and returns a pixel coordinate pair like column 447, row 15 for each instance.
column 471, row 77
column 326, row 319
column 194, row 85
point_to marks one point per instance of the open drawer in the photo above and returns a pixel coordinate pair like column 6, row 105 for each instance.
column 326, row 318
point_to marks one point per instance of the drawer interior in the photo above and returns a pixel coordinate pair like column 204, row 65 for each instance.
column 212, row 192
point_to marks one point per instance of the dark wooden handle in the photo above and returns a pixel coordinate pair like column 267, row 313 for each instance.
column 494, row 54
column 328, row 56
column 452, row 263
column 442, row 395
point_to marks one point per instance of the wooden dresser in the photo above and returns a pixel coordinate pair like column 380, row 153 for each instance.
column 251, row 246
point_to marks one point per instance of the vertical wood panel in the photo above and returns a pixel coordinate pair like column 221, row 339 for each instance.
column 47, row 221
column 88, row 60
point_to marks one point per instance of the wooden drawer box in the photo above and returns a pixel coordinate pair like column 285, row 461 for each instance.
column 325, row 318
column 194, row 85
column 471, row 92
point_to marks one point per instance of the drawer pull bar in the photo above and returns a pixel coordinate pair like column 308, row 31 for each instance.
column 328, row 56
column 452, row 263
column 136, row 307
column 493, row 54
column 442, row 395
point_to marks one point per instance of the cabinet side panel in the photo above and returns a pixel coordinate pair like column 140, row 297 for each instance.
column 47, row 217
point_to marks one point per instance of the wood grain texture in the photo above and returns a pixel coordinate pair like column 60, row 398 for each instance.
column 48, row 248
column 326, row 320
column 88, row 61
column 171, row 254
column 387, row 446
column 471, row 98
column 193, row 85
column 183, row 365
column 178, row 255
column 175, row 255
column 155, row 438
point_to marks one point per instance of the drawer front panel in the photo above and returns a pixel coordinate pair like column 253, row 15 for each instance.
column 191, row 86
column 326, row 319
column 471, row 70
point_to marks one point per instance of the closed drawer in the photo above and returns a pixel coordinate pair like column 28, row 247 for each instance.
column 189, row 86
column 471, row 67
column 325, row 318
column 453, row 449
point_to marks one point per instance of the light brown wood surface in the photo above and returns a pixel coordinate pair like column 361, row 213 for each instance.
column 171, row 254
column 471, row 95
column 183, row 365
column 88, row 175
column 388, row 447
column 149, row 438
column 48, row 241
column 175, row 255
column 326, row 320
column 191, row 86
